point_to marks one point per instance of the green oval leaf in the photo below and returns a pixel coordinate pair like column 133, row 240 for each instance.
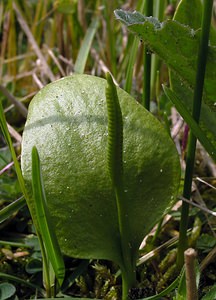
column 7, row 290
column 67, row 121
column 34, row 266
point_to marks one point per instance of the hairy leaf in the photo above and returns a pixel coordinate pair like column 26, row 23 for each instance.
column 176, row 44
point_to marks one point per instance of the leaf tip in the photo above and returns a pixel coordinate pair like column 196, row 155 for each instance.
column 109, row 78
column 35, row 152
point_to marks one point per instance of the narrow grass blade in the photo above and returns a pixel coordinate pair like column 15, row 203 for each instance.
column 133, row 53
column 47, row 231
column 21, row 281
column 14, row 244
column 76, row 273
column 85, row 48
column 68, row 298
column 3, row 126
column 168, row 290
column 159, row 9
column 131, row 62
column 147, row 64
column 111, row 37
column 10, row 209
column 197, row 131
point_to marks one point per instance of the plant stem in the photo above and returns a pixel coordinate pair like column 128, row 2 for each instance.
column 197, row 101
column 127, row 282
column 147, row 64
column 129, row 264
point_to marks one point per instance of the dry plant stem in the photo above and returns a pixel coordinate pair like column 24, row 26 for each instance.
column 54, row 58
column 81, row 14
column 190, row 256
column 14, row 133
column 32, row 41
column 205, row 209
column 22, row 109
column 208, row 259
column 6, row 26
column 197, row 101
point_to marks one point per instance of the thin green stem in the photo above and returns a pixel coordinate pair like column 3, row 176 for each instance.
column 133, row 53
column 127, row 282
column 197, row 101
column 111, row 36
column 159, row 7
column 131, row 62
column 129, row 264
column 147, row 64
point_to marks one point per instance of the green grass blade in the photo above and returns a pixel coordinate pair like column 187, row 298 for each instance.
column 111, row 37
column 69, row 280
column 21, row 281
column 85, row 48
column 10, row 209
column 3, row 126
column 133, row 53
column 131, row 62
column 68, row 298
column 147, row 64
column 168, row 290
column 159, row 8
column 14, row 244
column 46, row 229
column 197, row 131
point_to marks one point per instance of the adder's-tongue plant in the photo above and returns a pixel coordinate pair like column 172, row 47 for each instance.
column 99, row 212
